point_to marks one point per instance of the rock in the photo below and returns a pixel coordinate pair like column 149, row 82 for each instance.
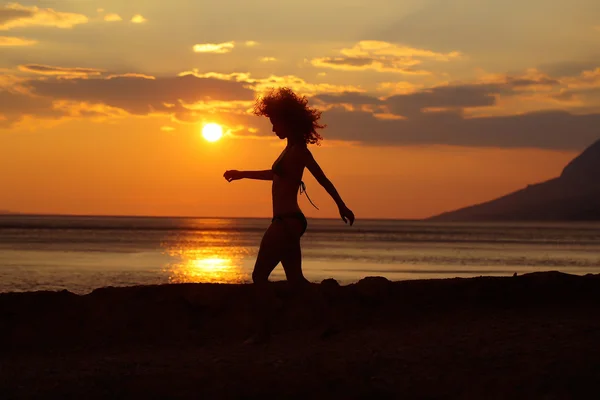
column 373, row 288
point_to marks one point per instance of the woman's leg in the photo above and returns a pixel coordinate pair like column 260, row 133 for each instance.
column 269, row 255
column 291, row 260
column 292, row 265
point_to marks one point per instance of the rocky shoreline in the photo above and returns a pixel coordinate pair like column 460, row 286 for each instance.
column 529, row 336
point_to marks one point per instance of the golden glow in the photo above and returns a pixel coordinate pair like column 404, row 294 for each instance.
column 194, row 260
column 211, row 269
column 138, row 19
column 218, row 48
column 112, row 18
column 8, row 41
column 212, row 132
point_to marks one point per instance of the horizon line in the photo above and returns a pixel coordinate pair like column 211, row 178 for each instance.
column 6, row 213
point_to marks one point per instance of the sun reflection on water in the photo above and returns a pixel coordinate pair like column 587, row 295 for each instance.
column 209, row 264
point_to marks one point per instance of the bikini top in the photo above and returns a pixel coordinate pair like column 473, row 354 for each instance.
column 278, row 170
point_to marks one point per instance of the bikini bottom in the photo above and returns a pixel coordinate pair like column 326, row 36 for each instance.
column 299, row 215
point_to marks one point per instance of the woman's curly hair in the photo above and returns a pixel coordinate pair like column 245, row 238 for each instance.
column 284, row 105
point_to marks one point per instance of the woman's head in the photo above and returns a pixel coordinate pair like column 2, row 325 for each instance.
column 290, row 115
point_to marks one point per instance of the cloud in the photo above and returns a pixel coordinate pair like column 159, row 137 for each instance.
column 112, row 17
column 9, row 41
column 189, row 97
column 582, row 90
column 183, row 98
column 140, row 95
column 14, row 15
column 527, row 110
column 218, row 48
column 366, row 48
column 221, row 48
column 94, row 111
column 268, row 59
column 531, row 79
column 410, row 104
column 405, row 99
column 382, row 57
column 138, row 19
column 300, row 85
column 505, row 105
column 262, row 84
column 398, row 87
column 549, row 130
column 130, row 75
column 17, row 105
column 60, row 71
column 587, row 79
column 167, row 128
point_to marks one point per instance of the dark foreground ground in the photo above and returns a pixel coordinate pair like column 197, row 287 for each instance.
column 534, row 336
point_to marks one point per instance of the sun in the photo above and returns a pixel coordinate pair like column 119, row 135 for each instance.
column 212, row 132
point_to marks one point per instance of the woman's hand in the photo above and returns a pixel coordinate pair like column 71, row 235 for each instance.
column 232, row 175
column 347, row 215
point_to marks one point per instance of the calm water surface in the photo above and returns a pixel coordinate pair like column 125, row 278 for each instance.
column 83, row 253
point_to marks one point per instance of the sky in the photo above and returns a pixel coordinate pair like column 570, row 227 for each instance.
column 430, row 105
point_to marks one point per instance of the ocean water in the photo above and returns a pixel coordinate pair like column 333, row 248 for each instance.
column 83, row 253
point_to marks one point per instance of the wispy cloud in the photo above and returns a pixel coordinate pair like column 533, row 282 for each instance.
column 529, row 76
column 221, row 48
column 60, row 71
column 130, row 75
column 218, row 48
column 261, row 84
column 268, row 59
column 167, row 128
column 138, row 19
column 13, row 15
column 382, row 57
column 112, row 17
column 9, row 41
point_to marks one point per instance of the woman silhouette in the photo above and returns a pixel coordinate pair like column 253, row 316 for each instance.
column 294, row 120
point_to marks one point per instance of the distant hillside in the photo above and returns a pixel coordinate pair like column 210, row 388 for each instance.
column 574, row 195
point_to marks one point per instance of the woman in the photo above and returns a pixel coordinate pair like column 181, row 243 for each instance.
column 295, row 121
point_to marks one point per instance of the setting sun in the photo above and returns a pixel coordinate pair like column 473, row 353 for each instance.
column 212, row 132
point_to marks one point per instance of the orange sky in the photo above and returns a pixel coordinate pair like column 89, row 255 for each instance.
column 102, row 104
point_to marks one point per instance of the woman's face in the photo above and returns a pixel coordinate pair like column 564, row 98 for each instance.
column 279, row 128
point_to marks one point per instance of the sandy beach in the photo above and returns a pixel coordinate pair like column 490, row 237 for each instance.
column 530, row 336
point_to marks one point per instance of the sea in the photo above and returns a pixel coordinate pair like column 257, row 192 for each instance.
column 82, row 253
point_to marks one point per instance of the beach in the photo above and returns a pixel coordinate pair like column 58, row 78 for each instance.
column 525, row 336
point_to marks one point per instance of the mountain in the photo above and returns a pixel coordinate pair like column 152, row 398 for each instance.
column 573, row 196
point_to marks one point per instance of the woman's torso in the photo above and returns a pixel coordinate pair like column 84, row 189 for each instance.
column 287, row 176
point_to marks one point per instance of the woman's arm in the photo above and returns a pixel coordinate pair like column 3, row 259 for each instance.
column 266, row 175
column 317, row 172
column 233, row 175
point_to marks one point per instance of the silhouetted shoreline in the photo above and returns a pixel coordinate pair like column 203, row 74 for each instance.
column 527, row 336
